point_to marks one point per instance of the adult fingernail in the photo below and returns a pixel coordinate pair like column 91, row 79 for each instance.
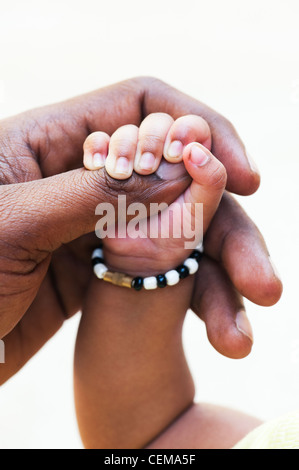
column 275, row 270
column 198, row 156
column 122, row 166
column 175, row 149
column 98, row 161
column 147, row 161
column 252, row 163
column 243, row 324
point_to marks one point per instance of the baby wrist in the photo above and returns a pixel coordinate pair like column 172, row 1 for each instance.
column 149, row 278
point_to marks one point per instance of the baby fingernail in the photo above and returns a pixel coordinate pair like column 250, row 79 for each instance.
column 175, row 149
column 243, row 324
column 98, row 160
column 198, row 156
column 122, row 166
column 147, row 161
column 88, row 161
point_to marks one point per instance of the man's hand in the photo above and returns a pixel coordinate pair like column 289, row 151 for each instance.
column 47, row 212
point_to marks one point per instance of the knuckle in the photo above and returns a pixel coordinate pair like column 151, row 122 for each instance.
column 148, row 80
column 182, row 131
column 16, row 258
column 152, row 142
column 157, row 117
column 124, row 131
column 221, row 124
column 108, row 186
column 17, row 159
column 123, row 148
column 218, row 177
column 115, row 187
column 135, row 188
column 124, row 140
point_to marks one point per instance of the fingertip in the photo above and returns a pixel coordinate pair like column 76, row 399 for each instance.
column 220, row 306
column 234, row 345
column 233, row 337
column 253, row 184
column 243, row 325
column 227, row 146
column 145, row 164
column 277, row 282
column 267, row 282
column 203, row 167
column 186, row 129
column 122, row 149
column 248, row 182
column 173, row 151
column 95, row 150
column 255, row 173
column 120, row 167
column 251, row 269
column 243, row 175
column 94, row 161
column 269, row 292
column 197, row 154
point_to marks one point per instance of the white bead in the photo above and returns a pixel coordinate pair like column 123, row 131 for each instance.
column 200, row 247
column 99, row 270
column 172, row 277
column 98, row 253
column 150, row 283
column 192, row 265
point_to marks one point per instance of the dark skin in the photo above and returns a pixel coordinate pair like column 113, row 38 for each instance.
column 47, row 215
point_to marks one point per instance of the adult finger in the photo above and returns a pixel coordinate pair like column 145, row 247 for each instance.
column 54, row 135
column 39, row 216
column 235, row 241
column 42, row 320
column 217, row 302
column 227, row 146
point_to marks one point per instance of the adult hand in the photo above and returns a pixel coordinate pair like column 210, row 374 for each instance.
column 48, row 203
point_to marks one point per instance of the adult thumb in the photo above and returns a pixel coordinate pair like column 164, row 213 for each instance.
column 41, row 215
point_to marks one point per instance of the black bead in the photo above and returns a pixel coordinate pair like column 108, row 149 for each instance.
column 137, row 283
column 183, row 271
column 97, row 261
column 197, row 255
column 161, row 280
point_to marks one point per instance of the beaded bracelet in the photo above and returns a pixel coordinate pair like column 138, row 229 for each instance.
column 171, row 278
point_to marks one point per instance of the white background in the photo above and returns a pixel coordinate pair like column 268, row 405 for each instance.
column 240, row 58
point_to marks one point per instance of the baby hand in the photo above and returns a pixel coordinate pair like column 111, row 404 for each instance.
column 185, row 140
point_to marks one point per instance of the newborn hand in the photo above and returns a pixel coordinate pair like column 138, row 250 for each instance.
column 128, row 147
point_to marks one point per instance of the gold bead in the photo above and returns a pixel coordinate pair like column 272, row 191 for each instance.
column 118, row 279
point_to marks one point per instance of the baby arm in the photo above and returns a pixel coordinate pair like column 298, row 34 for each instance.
column 131, row 377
